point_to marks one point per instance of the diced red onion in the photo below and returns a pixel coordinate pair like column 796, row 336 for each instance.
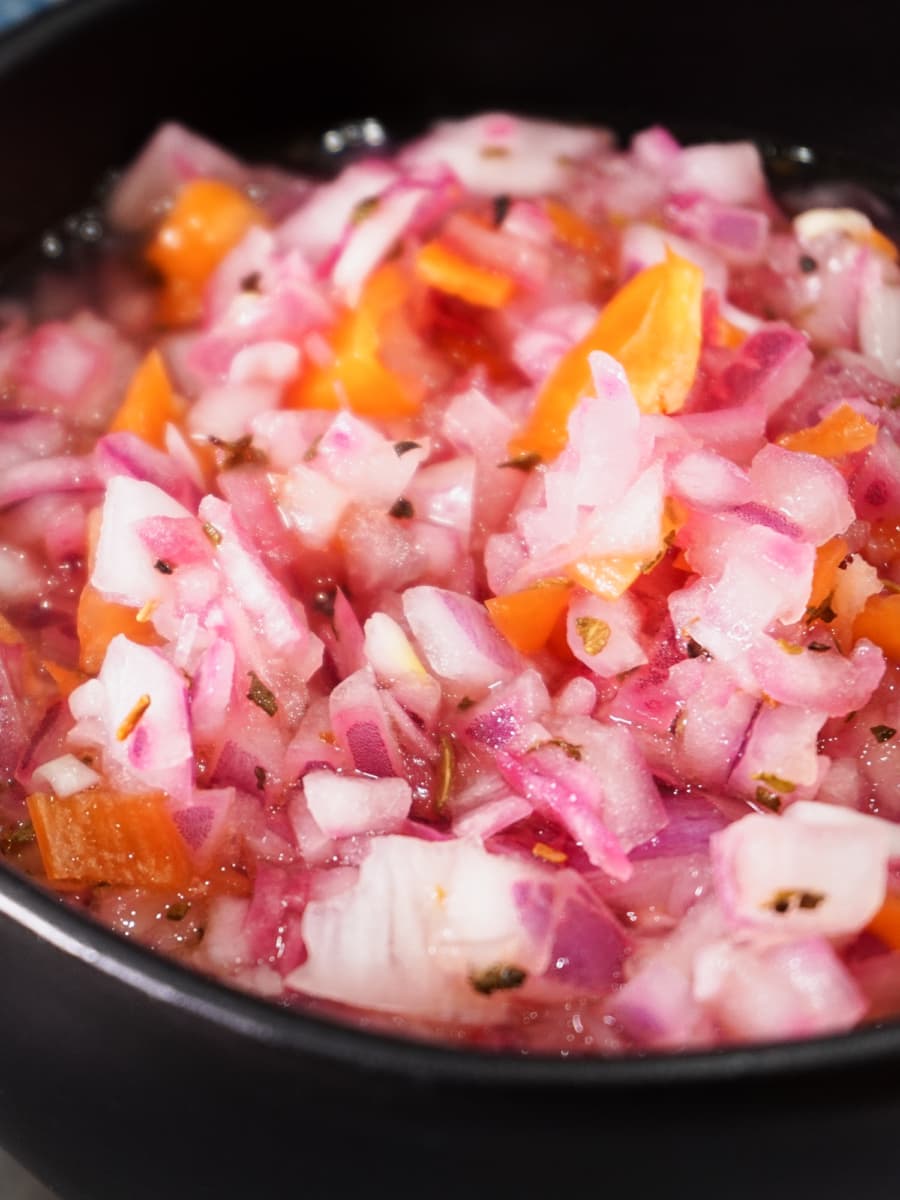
column 155, row 754
column 344, row 805
column 172, row 157
column 65, row 775
column 124, row 567
column 795, row 879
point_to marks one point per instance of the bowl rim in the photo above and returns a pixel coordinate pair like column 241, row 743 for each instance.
column 48, row 918
column 304, row 1035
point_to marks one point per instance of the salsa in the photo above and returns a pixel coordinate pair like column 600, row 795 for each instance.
column 462, row 595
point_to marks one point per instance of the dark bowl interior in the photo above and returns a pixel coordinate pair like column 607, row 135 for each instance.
column 124, row 1076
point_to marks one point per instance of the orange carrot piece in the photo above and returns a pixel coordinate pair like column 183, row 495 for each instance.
column 449, row 272
column 149, row 404
column 653, row 327
column 9, row 635
column 526, row 619
column 575, row 231
column 886, row 922
column 99, row 621
column 843, row 431
column 881, row 243
column 549, row 853
column 207, row 220
column 102, row 836
column 828, row 558
column 728, row 334
column 356, row 377
column 608, row 577
column 879, row 621
column 65, row 679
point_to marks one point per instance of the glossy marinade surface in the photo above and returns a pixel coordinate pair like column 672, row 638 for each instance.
column 461, row 595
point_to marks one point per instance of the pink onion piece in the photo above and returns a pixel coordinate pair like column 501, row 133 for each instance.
column 344, row 805
column 140, row 704
column 48, row 475
column 126, row 454
column 825, row 680
column 361, row 727
column 551, row 782
column 369, row 944
column 203, row 822
column 807, row 489
column 457, row 638
column 280, row 619
column 124, row 569
column 172, row 157
column 794, row 879
column 796, row 990
column 770, row 367
column 273, row 919
column 534, row 158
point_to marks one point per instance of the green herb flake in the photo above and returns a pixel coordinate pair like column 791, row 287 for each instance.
column 237, row 453
column 767, row 799
column 15, row 837
column 401, row 448
column 890, row 586
column 402, row 509
column 593, row 632
column 212, row 533
column 501, row 208
column 261, row 696
column 495, row 152
column 818, row 647
column 260, row 773
column 178, row 911
column 312, row 449
column 164, row 568
column 883, row 733
column 466, row 702
column 523, row 462
column 498, row 978
column 807, row 263
column 568, row 748
column 783, row 786
column 821, row 612
column 794, row 898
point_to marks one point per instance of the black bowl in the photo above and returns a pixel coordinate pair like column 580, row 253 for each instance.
column 125, row 1077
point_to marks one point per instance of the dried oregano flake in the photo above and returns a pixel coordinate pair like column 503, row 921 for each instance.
column 593, row 632
column 262, row 696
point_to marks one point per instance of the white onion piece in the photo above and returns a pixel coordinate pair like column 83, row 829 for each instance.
column 66, row 775
column 791, row 877
column 123, row 568
column 457, row 638
column 344, row 805
column 421, row 919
